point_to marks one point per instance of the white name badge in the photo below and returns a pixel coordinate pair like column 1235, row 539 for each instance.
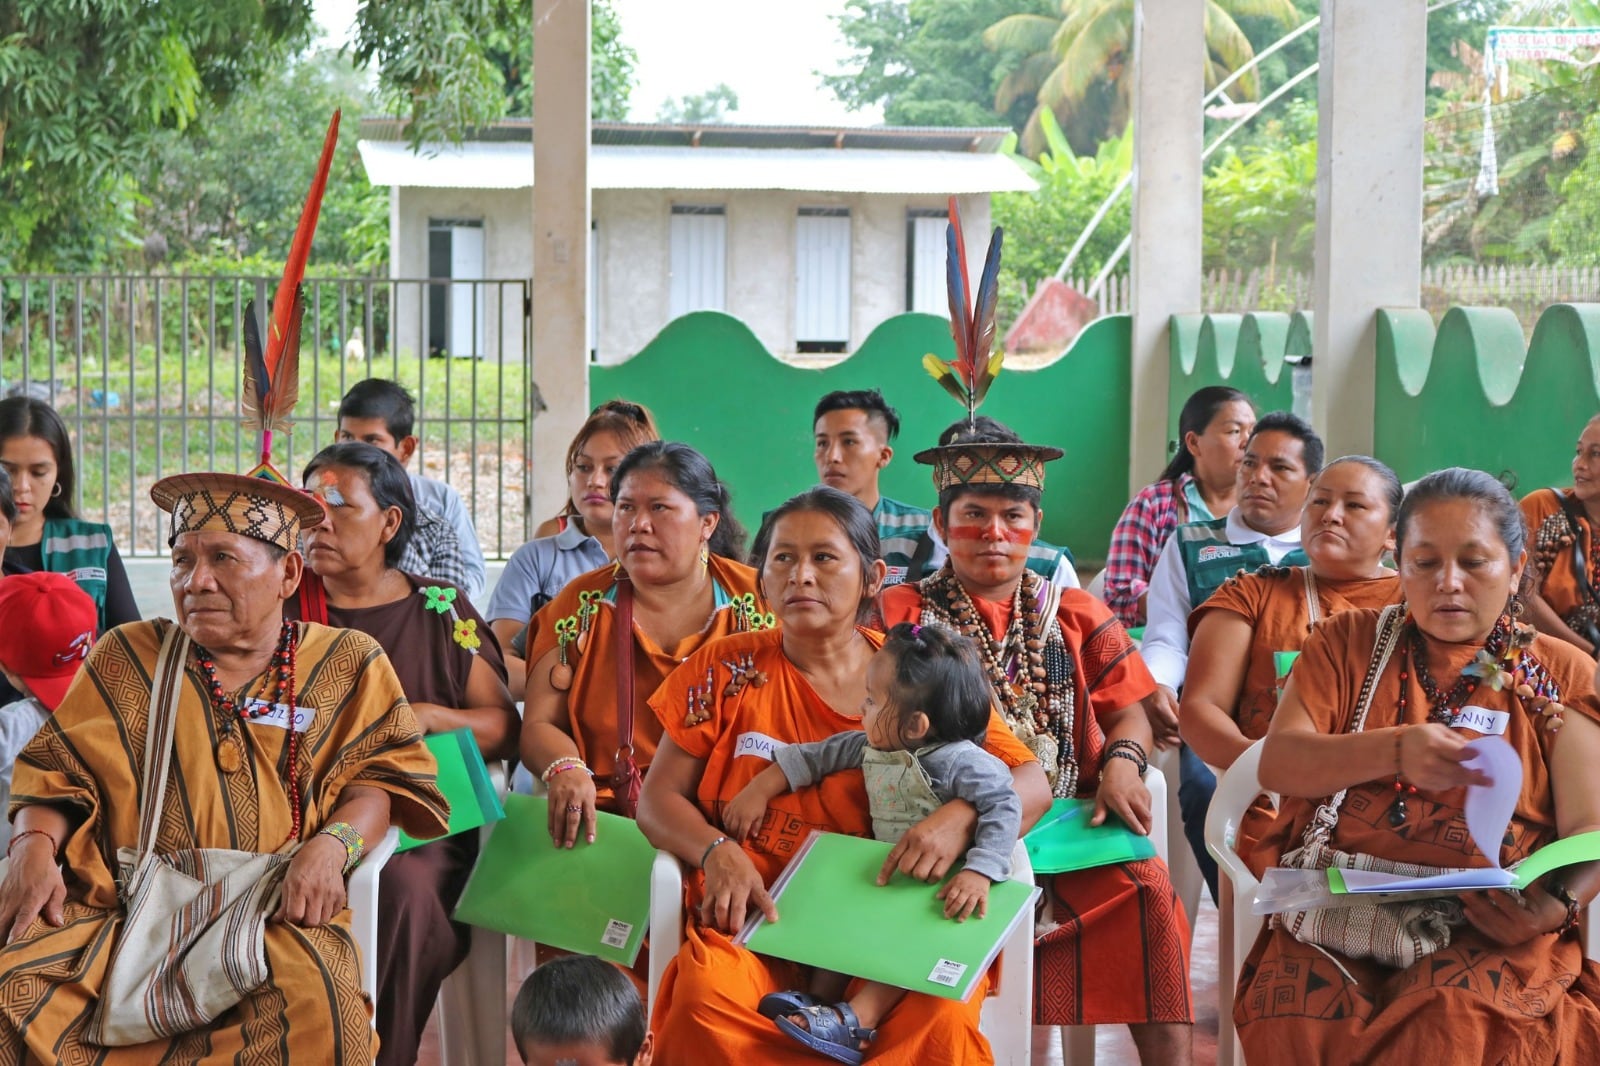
column 758, row 744
column 278, row 715
column 1482, row 720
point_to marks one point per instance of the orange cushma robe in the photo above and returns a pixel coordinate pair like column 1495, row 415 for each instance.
column 592, row 699
column 706, row 1009
column 1537, row 1002
column 1118, row 950
column 1558, row 582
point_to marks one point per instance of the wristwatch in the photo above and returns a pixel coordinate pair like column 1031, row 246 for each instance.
column 1574, row 910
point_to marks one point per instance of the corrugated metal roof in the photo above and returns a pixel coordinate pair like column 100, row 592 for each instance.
column 509, row 165
column 981, row 139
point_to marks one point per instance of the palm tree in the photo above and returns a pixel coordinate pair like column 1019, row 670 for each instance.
column 1079, row 66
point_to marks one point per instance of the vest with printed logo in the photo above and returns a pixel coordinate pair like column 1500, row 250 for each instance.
column 1209, row 558
column 80, row 550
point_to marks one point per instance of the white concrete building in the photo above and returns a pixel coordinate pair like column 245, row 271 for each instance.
column 810, row 236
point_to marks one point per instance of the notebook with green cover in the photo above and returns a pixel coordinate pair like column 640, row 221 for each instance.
column 464, row 780
column 592, row 898
column 1063, row 840
column 833, row 914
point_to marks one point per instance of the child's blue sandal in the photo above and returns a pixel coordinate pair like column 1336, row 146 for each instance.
column 834, row 1031
column 774, row 1004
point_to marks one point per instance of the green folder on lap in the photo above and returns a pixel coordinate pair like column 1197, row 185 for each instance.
column 592, row 898
column 464, row 780
column 1063, row 840
column 833, row 914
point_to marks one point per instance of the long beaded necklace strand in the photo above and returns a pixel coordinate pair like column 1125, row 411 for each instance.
column 1022, row 644
column 1444, row 707
column 282, row 669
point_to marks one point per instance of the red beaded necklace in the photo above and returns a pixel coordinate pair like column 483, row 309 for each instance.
column 230, row 750
column 1444, row 707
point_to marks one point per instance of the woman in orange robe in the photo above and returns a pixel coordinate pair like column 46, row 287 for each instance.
column 1565, row 602
column 802, row 682
column 1512, row 985
column 1242, row 635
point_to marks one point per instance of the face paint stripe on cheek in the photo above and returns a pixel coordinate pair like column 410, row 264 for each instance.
column 1007, row 534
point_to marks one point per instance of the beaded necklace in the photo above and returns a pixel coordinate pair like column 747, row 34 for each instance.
column 1445, row 707
column 1029, row 668
column 231, row 745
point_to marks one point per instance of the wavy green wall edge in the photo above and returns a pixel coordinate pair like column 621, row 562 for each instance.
column 1473, row 393
column 1245, row 352
column 712, row 383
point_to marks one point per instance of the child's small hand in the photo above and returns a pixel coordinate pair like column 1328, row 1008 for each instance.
column 965, row 892
column 744, row 815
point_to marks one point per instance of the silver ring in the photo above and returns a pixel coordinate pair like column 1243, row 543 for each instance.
column 574, row 807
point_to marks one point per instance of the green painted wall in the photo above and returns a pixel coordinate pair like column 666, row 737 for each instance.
column 1472, row 393
column 1244, row 351
column 711, row 383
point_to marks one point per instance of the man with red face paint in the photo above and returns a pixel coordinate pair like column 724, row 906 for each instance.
column 1070, row 684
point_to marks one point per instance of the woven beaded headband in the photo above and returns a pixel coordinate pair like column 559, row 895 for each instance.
column 254, row 507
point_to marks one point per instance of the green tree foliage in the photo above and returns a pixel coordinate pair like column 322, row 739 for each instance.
column 693, row 109
column 925, row 63
column 1042, row 226
column 88, row 86
column 1575, row 227
column 230, row 186
column 1078, row 63
column 1260, row 201
column 450, row 66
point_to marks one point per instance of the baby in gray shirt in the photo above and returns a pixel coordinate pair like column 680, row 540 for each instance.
column 928, row 701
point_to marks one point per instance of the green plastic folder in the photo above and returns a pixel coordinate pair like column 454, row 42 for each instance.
column 592, row 898
column 833, row 914
column 1585, row 847
column 464, row 780
column 1063, row 840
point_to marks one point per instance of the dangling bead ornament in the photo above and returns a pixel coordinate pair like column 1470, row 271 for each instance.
column 280, row 677
column 699, row 701
column 1397, row 812
column 741, row 672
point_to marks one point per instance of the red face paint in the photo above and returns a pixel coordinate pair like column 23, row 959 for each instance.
column 983, row 532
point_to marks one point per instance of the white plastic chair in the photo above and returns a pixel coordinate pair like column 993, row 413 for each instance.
column 1077, row 1041
column 361, row 891
column 1097, row 586
column 1237, row 928
column 1006, row 1013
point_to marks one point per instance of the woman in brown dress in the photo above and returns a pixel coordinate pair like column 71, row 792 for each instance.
column 1511, row 985
column 449, row 665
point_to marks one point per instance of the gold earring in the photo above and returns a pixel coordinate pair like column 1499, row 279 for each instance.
column 705, row 556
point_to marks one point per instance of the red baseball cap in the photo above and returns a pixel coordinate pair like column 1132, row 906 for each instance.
column 49, row 624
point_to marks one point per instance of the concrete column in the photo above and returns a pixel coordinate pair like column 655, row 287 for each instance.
column 560, row 353
column 1169, row 80
column 1370, row 107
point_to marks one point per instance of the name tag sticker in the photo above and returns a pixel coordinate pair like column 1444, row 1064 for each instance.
column 1482, row 720
column 278, row 716
column 947, row 973
column 616, row 934
column 758, row 744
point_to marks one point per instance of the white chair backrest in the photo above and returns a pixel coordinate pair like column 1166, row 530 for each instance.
column 1097, row 587
column 1236, row 790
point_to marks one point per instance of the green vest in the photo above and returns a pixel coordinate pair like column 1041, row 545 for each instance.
column 1209, row 558
column 80, row 550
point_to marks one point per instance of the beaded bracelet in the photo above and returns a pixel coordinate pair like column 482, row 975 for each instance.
column 54, row 847
column 355, row 845
column 1574, row 909
column 705, row 855
column 561, row 765
column 1131, row 750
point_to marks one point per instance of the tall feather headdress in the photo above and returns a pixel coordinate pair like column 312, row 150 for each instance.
column 975, row 457
column 272, row 364
column 975, row 367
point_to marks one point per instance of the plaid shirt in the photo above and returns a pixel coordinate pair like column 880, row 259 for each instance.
column 434, row 552
column 1136, row 543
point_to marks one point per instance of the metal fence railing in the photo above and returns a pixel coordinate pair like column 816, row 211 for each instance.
column 145, row 371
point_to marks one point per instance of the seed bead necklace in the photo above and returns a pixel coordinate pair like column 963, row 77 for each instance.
column 281, row 669
column 1444, row 707
column 1021, row 649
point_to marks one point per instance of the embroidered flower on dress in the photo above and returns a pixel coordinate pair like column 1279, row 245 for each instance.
column 439, row 599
